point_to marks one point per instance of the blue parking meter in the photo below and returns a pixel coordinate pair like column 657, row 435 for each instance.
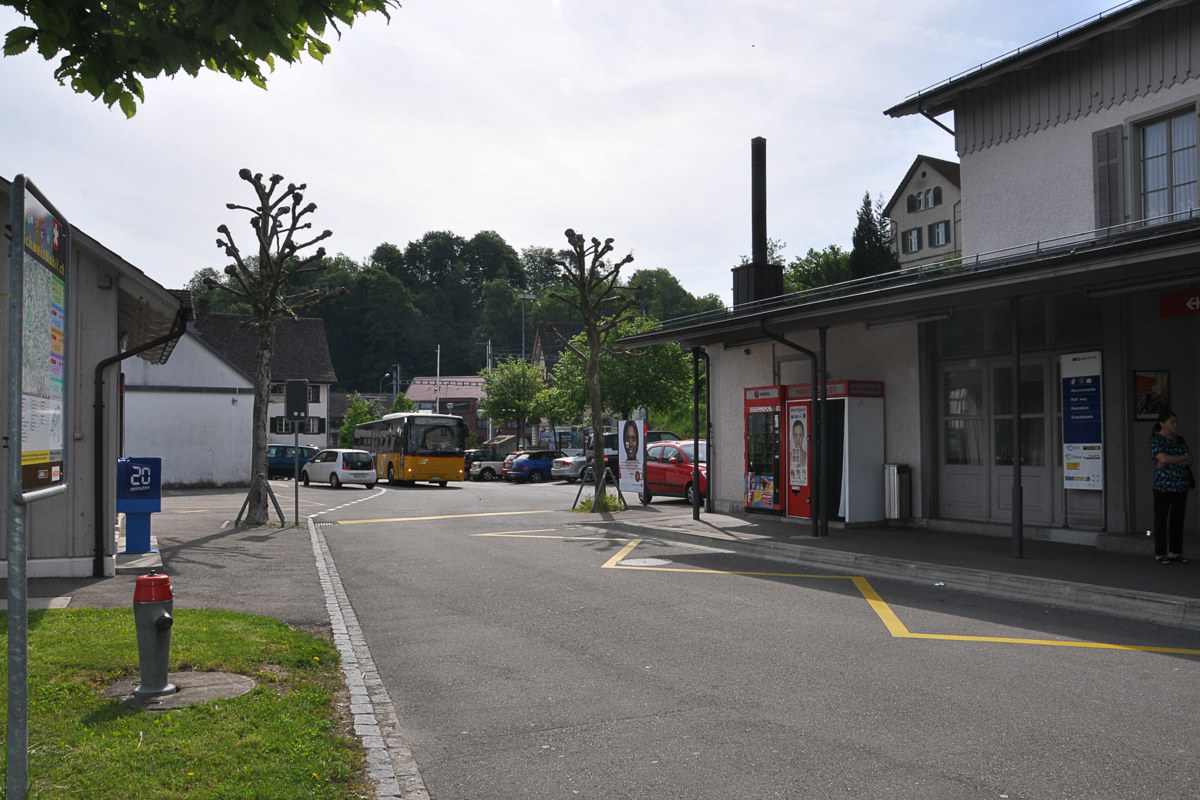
column 139, row 493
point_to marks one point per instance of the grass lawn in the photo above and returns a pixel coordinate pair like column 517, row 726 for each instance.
column 286, row 739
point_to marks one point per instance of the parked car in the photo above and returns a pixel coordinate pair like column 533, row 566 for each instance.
column 475, row 461
column 506, row 465
column 338, row 466
column 568, row 468
column 669, row 470
column 533, row 466
column 281, row 459
column 485, row 468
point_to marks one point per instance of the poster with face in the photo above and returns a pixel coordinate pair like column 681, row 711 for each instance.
column 633, row 457
column 798, row 445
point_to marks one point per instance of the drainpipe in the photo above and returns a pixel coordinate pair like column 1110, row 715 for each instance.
column 817, row 506
column 1018, row 491
column 177, row 329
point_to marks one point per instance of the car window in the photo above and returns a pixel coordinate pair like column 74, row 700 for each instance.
column 669, row 452
column 356, row 460
column 653, row 453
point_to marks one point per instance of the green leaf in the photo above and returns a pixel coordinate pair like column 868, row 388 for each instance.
column 128, row 106
column 19, row 39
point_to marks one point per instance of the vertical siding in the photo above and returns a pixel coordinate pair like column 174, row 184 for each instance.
column 1157, row 53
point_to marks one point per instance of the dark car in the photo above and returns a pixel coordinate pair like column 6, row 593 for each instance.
column 534, row 466
column 669, row 470
column 281, row 459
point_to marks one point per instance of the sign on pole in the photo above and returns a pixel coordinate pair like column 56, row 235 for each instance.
column 38, row 270
column 1083, row 429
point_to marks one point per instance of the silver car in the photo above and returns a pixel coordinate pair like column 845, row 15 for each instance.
column 568, row 468
column 337, row 467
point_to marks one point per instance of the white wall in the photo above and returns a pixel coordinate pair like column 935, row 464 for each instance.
column 1003, row 207
column 194, row 412
column 854, row 353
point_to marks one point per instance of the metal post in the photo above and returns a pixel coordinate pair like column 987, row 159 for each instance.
column 696, row 433
column 1018, row 495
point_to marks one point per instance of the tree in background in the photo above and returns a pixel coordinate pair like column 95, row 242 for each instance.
column 597, row 295
column 871, row 252
column 511, row 391
column 817, row 268
column 108, row 48
column 359, row 409
column 262, row 284
column 656, row 378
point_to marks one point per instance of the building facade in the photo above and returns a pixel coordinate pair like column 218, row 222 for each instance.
column 1079, row 241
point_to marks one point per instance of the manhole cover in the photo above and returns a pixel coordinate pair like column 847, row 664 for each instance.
column 645, row 562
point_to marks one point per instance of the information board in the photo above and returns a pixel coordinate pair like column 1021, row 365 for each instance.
column 1083, row 417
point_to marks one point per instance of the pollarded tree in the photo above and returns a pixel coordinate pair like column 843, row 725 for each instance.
column 108, row 48
column 262, row 283
column 595, row 291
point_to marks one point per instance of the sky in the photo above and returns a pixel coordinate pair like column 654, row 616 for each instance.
column 629, row 120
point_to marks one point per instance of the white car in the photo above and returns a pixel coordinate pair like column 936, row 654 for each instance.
column 337, row 467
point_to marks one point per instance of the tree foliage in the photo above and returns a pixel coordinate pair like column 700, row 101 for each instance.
column 817, row 268
column 359, row 409
column 511, row 391
column 108, row 48
column 871, row 252
column 656, row 378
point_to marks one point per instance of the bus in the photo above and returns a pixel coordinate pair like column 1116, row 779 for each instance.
column 415, row 446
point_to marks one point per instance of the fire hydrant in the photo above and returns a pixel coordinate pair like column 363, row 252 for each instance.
column 152, row 604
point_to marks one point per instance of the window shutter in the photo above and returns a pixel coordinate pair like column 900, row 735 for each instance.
column 275, row 425
column 1108, row 153
column 320, row 424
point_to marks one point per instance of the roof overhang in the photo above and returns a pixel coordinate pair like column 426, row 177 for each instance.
column 942, row 97
column 145, row 310
column 1140, row 261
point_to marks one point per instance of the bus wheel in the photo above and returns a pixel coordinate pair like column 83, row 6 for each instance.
column 391, row 474
column 442, row 484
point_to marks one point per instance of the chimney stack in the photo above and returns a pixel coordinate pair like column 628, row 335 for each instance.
column 758, row 280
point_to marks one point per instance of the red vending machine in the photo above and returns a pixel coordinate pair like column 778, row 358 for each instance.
column 763, row 449
column 797, row 435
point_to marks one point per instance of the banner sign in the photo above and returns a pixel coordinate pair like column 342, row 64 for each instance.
column 1082, row 415
column 633, row 457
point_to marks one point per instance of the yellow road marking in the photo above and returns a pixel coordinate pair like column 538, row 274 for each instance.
column 892, row 622
column 542, row 533
column 442, row 516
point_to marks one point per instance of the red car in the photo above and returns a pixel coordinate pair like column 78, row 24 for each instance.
column 669, row 469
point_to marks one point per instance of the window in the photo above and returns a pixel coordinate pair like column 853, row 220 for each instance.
column 911, row 240
column 1167, row 157
column 314, row 393
column 309, row 425
column 939, row 233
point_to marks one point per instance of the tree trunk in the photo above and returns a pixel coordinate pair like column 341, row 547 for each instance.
column 599, row 460
column 257, row 511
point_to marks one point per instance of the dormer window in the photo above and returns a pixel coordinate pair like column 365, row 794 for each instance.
column 923, row 200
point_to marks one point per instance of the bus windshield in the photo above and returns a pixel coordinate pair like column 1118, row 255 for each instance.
column 434, row 437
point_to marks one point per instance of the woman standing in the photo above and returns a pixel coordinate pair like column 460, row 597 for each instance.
column 1172, row 482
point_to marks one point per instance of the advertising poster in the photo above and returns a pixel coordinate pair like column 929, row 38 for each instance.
column 633, row 457
column 43, row 346
column 798, row 444
column 1082, row 414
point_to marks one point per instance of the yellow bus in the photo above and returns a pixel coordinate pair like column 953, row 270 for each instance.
column 416, row 446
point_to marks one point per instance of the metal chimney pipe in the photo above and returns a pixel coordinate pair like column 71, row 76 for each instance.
column 758, row 201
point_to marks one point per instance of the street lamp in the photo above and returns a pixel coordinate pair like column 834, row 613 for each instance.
column 523, row 298
column 386, row 375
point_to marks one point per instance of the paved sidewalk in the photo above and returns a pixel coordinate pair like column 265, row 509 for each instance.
column 1128, row 584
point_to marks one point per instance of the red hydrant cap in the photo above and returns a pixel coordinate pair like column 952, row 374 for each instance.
column 152, row 588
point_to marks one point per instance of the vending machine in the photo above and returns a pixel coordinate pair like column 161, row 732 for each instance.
column 763, row 446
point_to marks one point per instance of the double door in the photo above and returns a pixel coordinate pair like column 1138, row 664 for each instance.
column 976, row 440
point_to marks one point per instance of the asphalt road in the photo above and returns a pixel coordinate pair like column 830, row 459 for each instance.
column 532, row 654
